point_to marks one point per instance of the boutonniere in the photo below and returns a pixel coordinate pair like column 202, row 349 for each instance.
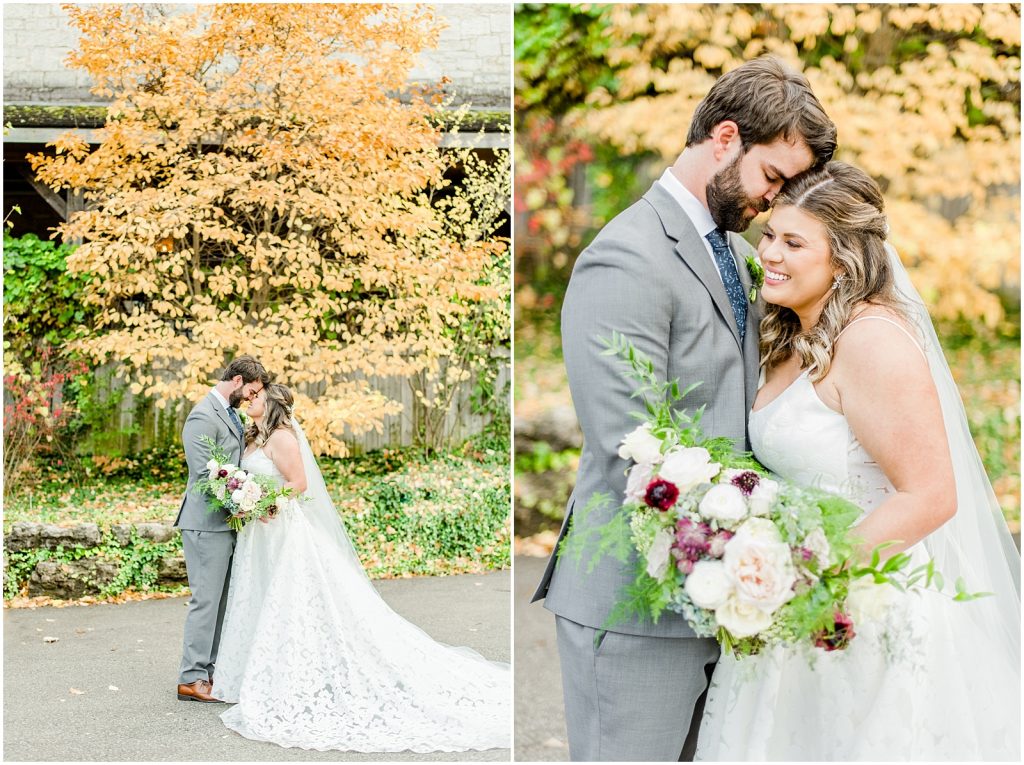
column 756, row 271
column 246, row 419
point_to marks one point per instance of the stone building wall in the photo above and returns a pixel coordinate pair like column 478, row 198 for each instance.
column 474, row 52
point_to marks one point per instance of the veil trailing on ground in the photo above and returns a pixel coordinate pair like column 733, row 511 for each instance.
column 976, row 543
column 320, row 512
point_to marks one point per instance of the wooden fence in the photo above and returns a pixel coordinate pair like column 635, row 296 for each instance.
column 137, row 424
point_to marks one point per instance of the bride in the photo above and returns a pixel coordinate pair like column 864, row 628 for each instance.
column 858, row 399
column 310, row 654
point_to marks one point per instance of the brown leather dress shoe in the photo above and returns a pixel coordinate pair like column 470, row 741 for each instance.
column 197, row 691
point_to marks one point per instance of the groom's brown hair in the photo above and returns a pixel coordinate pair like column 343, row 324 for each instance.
column 767, row 101
column 249, row 368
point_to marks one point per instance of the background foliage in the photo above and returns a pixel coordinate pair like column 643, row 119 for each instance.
column 406, row 513
column 268, row 181
column 926, row 98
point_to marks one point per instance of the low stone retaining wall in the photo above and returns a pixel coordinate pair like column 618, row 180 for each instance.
column 88, row 571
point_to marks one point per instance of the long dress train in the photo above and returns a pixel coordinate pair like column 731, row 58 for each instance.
column 312, row 657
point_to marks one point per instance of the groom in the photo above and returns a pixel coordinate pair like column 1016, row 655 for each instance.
column 207, row 541
column 669, row 275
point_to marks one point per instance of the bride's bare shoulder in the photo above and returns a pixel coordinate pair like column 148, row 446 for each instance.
column 879, row 311
column 283, row 438
column 890, row 340
column 282, row 443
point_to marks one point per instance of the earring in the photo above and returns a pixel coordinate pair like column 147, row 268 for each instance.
column 836, row 280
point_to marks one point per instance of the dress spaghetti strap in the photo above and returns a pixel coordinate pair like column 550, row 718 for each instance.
column 896, row 324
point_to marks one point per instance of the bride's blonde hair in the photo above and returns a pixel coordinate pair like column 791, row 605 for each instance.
column 279, row 407
column 849, row 204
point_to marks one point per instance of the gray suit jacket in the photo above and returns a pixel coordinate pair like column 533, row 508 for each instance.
column 648, row 275
column 206, row 418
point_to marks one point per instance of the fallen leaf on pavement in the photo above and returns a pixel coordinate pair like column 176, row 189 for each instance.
column 113, row 688
column 77, row 692
column 48, row 639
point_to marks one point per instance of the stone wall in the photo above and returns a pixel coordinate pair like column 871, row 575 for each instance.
column 88, row 575
column 475, row 52
column 37, row 38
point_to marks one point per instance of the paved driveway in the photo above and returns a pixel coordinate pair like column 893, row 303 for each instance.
column 105, row 691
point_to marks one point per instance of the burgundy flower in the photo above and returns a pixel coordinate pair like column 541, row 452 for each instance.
column 716, row 545
column 222, row 473
column 806, row 554
column 746, row 482
column 692, row 538
column 661, row 494
column 233, row 483
column 839, row 636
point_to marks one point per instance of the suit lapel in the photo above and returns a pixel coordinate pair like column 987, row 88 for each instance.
column 692, row 251
column 222, row 413
column 741, row 266
column 751, row 352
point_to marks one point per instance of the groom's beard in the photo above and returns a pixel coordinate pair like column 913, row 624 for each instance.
column 235, row 398
column 728, row 202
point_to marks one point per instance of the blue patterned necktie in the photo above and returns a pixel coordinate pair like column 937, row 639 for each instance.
column 730, row 278
column 238, row 423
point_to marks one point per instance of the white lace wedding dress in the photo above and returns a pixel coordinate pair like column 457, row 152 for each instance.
column 312, row 657
column 943, row 691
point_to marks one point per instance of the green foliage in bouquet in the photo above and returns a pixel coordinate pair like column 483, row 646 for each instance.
column 679, row 428
column 218, row 490
column 805, row 536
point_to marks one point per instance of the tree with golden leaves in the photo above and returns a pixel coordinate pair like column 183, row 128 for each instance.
column 926, row 99
column 267, row 182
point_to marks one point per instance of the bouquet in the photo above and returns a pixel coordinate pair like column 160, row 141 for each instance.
column 747, row 559
column 245, row 496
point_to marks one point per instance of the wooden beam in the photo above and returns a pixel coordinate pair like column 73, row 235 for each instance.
column 55, row 200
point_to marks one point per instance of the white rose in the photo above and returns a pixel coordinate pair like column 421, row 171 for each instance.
column 641, row 446
column 724, row 502
column 248, row 504
column 252, row 490
column 658, row 553
column 687, row 467
column 636, row 486
column 237, row 496
column 707, row 585
column 818, row 544
column 760, row 528
column 869, row 602
column 760, row 565
column 763, row 495
column 212, row 467
column 741, row 619
column 241, row 475
column 220, row 491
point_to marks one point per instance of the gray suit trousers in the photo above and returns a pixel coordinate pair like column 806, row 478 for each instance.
column 208, row 560
column 632, row 697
